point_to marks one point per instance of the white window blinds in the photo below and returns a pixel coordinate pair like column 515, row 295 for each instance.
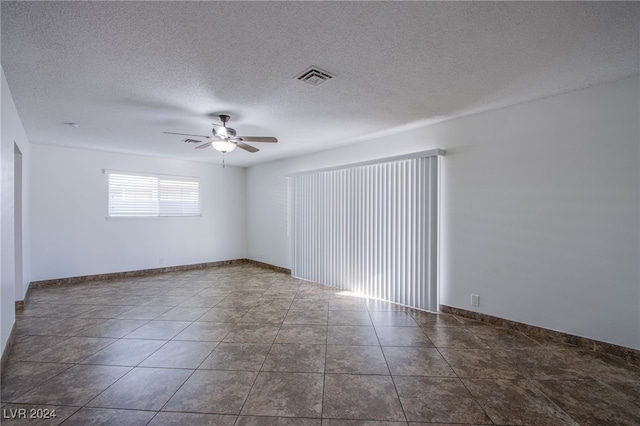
column 370, row 229
column 144, row 195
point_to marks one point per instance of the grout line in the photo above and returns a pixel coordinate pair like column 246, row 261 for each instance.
column 395, row 387
column 326, row 350
column 465, row 386
column 255, row 379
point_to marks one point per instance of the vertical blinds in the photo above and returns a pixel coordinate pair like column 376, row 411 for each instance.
column 142, row 195
column 370, row 229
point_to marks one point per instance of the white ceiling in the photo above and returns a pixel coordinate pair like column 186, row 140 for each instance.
column 127, row 71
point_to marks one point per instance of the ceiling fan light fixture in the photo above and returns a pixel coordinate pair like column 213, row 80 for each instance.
column 223, row 146
column 224, row 139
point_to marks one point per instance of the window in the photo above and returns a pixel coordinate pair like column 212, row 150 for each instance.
column 146, row 195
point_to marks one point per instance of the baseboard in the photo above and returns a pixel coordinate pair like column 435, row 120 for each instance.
column 269, row 266
column 7, row 349
column 146, row 272
column 131, row 274
column 20, row 304
column 546, row 334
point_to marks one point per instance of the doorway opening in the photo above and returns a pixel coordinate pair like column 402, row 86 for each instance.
column 17, row 221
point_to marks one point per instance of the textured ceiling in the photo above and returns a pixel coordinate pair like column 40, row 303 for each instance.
column 127, row 71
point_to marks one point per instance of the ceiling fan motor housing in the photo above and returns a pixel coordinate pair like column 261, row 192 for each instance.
column 225, row 133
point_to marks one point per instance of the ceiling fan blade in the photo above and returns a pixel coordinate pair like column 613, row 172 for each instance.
column 186, row 134
column 247, row 147
column 206, row 145
column 257, row 139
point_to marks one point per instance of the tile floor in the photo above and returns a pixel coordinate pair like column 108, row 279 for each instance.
column 243, row 345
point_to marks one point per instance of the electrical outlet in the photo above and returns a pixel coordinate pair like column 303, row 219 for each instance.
column 475, row 300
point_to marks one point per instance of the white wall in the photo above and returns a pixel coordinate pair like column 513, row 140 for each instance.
column 12, row 289
column 72, row 237
column 540, row 209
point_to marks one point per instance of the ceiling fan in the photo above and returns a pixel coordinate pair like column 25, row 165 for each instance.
column 224, row 139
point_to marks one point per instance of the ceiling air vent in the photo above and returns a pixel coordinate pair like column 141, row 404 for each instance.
column 314, row 76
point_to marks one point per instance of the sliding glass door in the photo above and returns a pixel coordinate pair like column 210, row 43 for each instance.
column 370, row 228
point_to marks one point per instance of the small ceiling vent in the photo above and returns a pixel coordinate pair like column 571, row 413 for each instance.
column 314, row 76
